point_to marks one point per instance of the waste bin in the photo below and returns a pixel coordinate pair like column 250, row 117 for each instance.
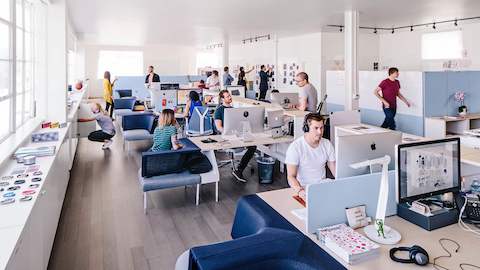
column 265, row 169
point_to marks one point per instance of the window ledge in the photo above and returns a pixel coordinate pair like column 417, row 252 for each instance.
column 12, row 142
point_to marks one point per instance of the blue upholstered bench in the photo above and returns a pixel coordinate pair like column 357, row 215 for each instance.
column 164, row 169
column 262, row 239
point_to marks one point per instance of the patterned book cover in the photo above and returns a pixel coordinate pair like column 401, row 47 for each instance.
column 347, row 241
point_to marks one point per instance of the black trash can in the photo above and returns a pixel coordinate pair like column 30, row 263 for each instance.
column 265, row 169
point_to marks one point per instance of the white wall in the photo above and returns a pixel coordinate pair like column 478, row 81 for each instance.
column 403, row 49
column 167, row 60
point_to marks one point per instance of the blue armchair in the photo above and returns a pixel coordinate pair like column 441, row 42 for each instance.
column 122, row 93
column 123, row 106
column 137, row 127
column 262, row 239
column 164, row 169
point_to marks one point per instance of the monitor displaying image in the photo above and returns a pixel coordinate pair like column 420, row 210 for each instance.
column 428, row 168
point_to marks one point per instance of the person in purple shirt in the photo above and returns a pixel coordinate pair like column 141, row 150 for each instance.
column 388, row 91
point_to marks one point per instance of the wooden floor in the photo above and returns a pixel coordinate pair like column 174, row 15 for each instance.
column 103, row 226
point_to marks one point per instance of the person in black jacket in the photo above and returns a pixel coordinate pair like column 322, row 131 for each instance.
column 264, row 75
column 151, row 76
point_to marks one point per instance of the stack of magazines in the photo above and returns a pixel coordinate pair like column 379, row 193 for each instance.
column 349, row 245
column 35, row 151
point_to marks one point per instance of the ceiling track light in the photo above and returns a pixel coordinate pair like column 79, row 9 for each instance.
column 411, row 28
column 393, row 30
column 455, row 23
column 375, row 30
column 341, row 29
column 433, row 26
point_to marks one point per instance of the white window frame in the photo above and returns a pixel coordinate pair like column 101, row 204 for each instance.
column 455, row 53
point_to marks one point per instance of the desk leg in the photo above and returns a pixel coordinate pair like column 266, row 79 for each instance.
column 216, row 191
column 282, row 167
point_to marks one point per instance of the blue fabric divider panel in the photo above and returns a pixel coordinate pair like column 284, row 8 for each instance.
column 331, row 107
column 440, row 88
column 327, row 200
column 135, row 83
column 406, row 123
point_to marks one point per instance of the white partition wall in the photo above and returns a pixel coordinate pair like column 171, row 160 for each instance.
column 408, row 119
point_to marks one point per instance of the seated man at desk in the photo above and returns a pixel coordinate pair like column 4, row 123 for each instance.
column 225, row 101
column 306, row 156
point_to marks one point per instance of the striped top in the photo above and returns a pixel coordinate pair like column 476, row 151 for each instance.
column 162, row 138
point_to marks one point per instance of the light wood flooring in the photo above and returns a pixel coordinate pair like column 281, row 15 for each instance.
column 102, row 225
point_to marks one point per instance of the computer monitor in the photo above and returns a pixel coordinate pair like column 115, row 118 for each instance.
column 169, row 86
column 182, row 95
column 275, row 118
column 284, row 99
column 233, row 118
column 236, row 90
column 351, row 149
column 427, row 168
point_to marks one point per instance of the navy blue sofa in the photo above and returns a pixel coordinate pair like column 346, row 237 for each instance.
column 262, row 239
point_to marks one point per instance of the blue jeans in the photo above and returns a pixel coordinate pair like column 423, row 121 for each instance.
column 389, row 121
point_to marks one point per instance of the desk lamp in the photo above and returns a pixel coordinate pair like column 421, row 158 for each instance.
column 379, row 232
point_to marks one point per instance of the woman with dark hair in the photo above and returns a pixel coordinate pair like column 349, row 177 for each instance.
column 108, row 92
column 241, row 77
column 192, row 102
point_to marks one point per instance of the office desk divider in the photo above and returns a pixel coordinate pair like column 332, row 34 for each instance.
column 326, row 202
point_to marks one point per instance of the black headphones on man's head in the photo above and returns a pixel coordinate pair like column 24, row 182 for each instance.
column 416, row 255
column 307, row 120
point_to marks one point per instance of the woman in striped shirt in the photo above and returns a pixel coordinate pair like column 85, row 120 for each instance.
column 165, row 134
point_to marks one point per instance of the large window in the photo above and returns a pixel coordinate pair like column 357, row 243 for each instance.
column 120, row 63
column 16, row 64
column 442, row 45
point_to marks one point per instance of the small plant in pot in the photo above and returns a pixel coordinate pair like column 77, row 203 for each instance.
column 460, row 98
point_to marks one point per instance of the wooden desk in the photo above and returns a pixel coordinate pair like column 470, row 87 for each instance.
column 282, row 201
column 229, row 144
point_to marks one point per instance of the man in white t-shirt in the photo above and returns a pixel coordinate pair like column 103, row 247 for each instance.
column 306, row 156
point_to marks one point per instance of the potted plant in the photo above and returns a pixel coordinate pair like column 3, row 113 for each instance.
column 460, row 98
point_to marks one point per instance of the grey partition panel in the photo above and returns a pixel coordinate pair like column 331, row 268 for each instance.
column 327, row 201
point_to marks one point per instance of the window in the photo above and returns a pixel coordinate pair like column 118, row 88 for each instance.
column 17, row 64
column 120, row 63
column 443, row 45
column 207, row 59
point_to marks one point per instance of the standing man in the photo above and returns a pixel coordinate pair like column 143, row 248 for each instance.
column 390, row 89
column 264, row 75
column 306, row 156
column 308, row 97
column 151, row 76
column 226, row 102
column 227, row 78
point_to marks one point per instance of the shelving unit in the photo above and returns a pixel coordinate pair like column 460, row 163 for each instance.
column 443, row 126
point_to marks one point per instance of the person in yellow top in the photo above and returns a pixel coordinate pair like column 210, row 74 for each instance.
column 108, row 92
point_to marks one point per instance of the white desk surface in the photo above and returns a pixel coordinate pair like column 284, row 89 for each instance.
column 282, row 201
column 14, row 216
column 268, row 106
column 229, row 144
column 456, row 118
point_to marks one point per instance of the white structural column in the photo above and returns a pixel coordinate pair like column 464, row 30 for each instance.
column 276, row 70
column 351, row 66
column 225, row 52
column 57, row 61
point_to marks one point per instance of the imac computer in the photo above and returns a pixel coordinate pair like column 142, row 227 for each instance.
column 235, row 119
column 427, row 168
column 284, row 99
column 275, row 118
column 236, row 90
column 350, row 149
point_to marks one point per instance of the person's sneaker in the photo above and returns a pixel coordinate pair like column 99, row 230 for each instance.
column 107, row 144
column 239, row 176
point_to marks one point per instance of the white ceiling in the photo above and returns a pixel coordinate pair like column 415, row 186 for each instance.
column 196, row 22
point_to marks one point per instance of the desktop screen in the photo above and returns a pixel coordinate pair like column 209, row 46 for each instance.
column 428, row 168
